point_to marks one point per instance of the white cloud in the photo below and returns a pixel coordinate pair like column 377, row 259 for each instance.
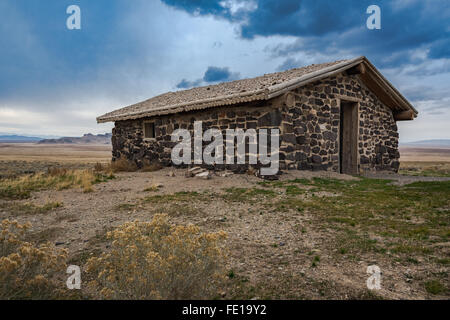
column 424, row 127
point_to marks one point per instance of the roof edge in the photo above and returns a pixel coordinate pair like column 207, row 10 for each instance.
column 260, row 94
column 268, row 93
column 391, row 87
column 281, row 88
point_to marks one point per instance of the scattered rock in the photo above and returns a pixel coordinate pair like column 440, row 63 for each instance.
column 196, row 170
column 226, row 174
column 193, row 172
column 204, row 175
column 269, row 177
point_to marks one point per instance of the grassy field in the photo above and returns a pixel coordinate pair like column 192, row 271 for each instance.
column 307, row 236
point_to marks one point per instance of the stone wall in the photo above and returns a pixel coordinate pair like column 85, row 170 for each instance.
column 308, row 119
column 128, row 139
column 311, row 119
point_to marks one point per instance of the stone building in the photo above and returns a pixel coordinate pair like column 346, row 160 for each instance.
column 339, row 116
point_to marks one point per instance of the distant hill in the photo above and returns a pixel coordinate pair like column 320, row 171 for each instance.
column 18, row 139
column 85, row 139
column 443, row 143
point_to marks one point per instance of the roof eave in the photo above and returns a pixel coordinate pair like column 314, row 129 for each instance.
column 401, row 99
column 274, row 91
column 281, row 88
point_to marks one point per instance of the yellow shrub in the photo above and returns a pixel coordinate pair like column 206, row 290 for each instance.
column 27, row 271
column 149, row 166
column 158, row 260
column 123, row 165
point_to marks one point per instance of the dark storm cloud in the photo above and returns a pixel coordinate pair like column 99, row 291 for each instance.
column 212, row 74
column 199, row 7
column 440, row 49
column 333, row 27
column 185, row 84
column 37, row 49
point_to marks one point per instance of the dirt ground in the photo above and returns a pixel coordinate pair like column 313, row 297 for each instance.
column 61, row 153
column 274, row 252
column 265, row 247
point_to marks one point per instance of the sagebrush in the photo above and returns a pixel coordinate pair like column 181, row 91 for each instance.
column 158, row 260
column 122, row 164
column 28, row 271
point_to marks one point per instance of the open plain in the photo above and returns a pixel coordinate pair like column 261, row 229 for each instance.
column 307, row 236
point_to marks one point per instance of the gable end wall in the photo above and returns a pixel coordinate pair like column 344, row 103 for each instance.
column 311, row 127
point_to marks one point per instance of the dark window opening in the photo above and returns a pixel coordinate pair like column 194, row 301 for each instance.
column 149, row 130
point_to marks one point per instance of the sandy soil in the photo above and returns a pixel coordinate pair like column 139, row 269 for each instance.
column 424, row 154
column 58, row 152
column 97, row 211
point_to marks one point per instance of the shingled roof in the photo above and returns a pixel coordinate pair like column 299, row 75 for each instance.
column 264, row 87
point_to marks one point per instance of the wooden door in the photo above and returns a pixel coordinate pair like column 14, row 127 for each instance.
column 348, row 138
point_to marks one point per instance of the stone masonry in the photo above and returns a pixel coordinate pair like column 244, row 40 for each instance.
column 308, row 119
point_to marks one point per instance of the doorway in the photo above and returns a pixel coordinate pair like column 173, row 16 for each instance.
column 348, row 138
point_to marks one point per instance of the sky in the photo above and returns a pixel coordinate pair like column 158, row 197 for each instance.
column 55, row 81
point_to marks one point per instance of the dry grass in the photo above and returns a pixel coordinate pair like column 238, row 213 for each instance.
column 125, row 165
column 151, row 166
column 158, row 260
column 28, row 271
column 20, row 209
column 54, row 179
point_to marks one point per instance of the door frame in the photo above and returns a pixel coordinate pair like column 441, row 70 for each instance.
column 356, row 117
